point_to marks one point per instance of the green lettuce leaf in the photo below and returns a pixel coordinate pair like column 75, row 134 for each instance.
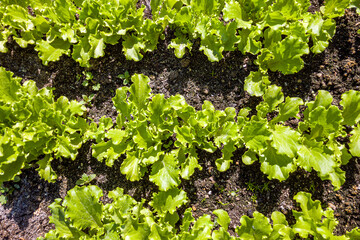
column 222, row 218
column 256, row 83
column 255, row 135
column 285, row 140
column 334, row 8
column 63, row 226
column 351, row 107
column 165, row 173
column 83, row 207
column 132, row 167
column 9, row 86
column 285, row 56
column 140, row 90
column 233, row 10
column 290, row 108
column 275, row 165
column 168, row 201
column 354, row 144
column 50, row 52
column 312, row 220
column 254, row 228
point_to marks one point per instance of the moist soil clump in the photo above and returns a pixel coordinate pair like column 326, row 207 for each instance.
column 242, row 189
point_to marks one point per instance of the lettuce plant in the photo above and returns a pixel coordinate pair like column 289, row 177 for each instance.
column 86, row 25
column 81, row 215
column 145, row 132
column 314, row 145
column 34, row 128
column 166, row 134
column 278, row 32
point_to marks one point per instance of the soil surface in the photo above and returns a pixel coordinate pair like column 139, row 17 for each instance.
column 242, row 189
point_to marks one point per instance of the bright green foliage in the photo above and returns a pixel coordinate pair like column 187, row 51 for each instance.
column 165, row 172
column 256, row 83
column 83, row 207
column 168, row 201
column 85, row 179
column 96, row 24
column 35, row 127
column 82, row 216
column 278, row 31
column 334, row 8
column 144, row 129
column 355, row 142
column 323, row 124
column 312, row 146
column 351, row 107
column 254, row 228
column 313, row 220
column 166, row 133
column 285, row 56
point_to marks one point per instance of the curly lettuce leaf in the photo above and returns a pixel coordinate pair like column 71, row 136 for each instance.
column 168, row 201
column 351, row 107
column 354, row 144
column 285, row 56
column 165, row 173
column 83, row 207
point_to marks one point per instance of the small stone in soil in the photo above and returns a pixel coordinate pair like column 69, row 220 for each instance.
column 185, row 62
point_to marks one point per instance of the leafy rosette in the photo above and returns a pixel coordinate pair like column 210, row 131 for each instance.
column 36, row 128
column 314, row 145
column 81, row 215
column 164, row 134
column 86, row 25
column 279, row 32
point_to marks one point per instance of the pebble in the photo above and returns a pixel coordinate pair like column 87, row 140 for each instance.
column 341, row 198
column 283, row 210
column 206, row 91
column 212, row 179
column 319, row 75
column 332, row 206
column 185, row 62
column 348, row 210
column 173, row 75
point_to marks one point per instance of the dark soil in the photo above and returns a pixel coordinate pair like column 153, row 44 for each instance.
column 25, row 216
